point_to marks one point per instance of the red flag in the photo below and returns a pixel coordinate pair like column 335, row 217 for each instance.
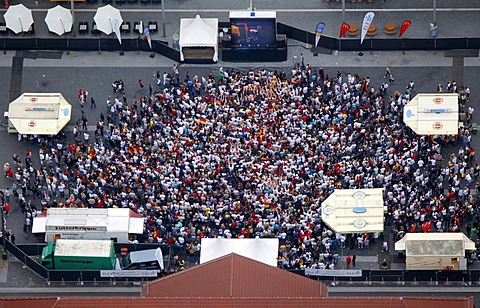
column 203, row 121
column 344, row 29
column 404, row 26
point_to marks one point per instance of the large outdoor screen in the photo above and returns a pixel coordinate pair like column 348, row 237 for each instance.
column 253, row 32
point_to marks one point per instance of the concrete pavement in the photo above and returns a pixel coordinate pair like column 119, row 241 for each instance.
column 303, row 14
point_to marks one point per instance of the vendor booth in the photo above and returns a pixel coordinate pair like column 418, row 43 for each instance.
column 198, row 39
column 85, row 223
column 432, row 114
column 264, row 250
column 38, row 113
column 354, row 210
column 435, row 251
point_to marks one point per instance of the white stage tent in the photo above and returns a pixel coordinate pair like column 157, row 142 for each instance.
column 199, row 33
column 264, row 250
column 432, row 114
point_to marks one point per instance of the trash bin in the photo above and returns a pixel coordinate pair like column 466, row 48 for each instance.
column 433, row 29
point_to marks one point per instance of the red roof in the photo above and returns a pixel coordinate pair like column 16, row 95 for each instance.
column 157, row 302
column 234, row 276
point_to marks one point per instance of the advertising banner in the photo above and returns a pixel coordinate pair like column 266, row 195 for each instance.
column 367, row 21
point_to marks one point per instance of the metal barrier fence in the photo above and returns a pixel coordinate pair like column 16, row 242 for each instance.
column 20, row 252
column 436, row 276
column 88, row 44
column 27, row 260
column 380, row 43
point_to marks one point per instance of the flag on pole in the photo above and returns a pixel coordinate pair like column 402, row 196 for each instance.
column 148, row 37
column 318, row 32
column 404, row 26
column 116, row 29
column 345, row 27
column 367, row 21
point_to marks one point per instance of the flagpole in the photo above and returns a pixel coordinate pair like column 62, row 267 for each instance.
column 343, row 11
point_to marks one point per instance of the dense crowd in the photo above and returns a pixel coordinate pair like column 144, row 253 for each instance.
column 254, row 154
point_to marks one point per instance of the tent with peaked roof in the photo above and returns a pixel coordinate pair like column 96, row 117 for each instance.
column 198, row 39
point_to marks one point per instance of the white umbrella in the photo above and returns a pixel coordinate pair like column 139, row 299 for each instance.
column 107, row 19
column 18, row 18
column 59, row 20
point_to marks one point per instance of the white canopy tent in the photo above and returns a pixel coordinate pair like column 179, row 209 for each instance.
column 199, row 33
column 264, row 250
column 39, row 113
column 354, row 210
column 432, row 114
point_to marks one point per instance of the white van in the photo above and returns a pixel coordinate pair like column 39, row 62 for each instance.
column 151, row 259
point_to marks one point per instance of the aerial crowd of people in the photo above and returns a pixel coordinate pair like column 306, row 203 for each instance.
column 240, row 154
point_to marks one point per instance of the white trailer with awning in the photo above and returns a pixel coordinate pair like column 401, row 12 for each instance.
column 87, row 223
column 432, row 114
column 38, row 113
column 435, row 251
column 354, row 210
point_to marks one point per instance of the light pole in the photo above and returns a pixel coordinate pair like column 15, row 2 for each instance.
column 163, row 18
column 72, row 11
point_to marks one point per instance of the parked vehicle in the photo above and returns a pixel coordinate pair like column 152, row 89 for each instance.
column 79, row 255
column 151, row 259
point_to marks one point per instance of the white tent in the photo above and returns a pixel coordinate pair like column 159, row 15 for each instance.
column 199, row 33
column 264, row 250
column 39, row 113
column 354, row 210
column 432, row 114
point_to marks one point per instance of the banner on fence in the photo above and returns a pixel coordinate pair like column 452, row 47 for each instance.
column 332, row 273
column 318, row 32
column 126, row 273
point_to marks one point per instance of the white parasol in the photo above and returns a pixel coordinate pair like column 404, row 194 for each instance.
column 18, row 18
column 106, row 18
column 59, row 20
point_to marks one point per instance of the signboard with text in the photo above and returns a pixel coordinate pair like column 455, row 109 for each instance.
column 332, row 273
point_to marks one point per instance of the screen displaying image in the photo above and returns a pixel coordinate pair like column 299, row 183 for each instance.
column 253, row 32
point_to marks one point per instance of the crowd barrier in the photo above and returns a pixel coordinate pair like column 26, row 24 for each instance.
column 88, row 44
column 160, row 47
column 383, row 44
column 435, row 276
column 23, row 251
column 26, row 259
